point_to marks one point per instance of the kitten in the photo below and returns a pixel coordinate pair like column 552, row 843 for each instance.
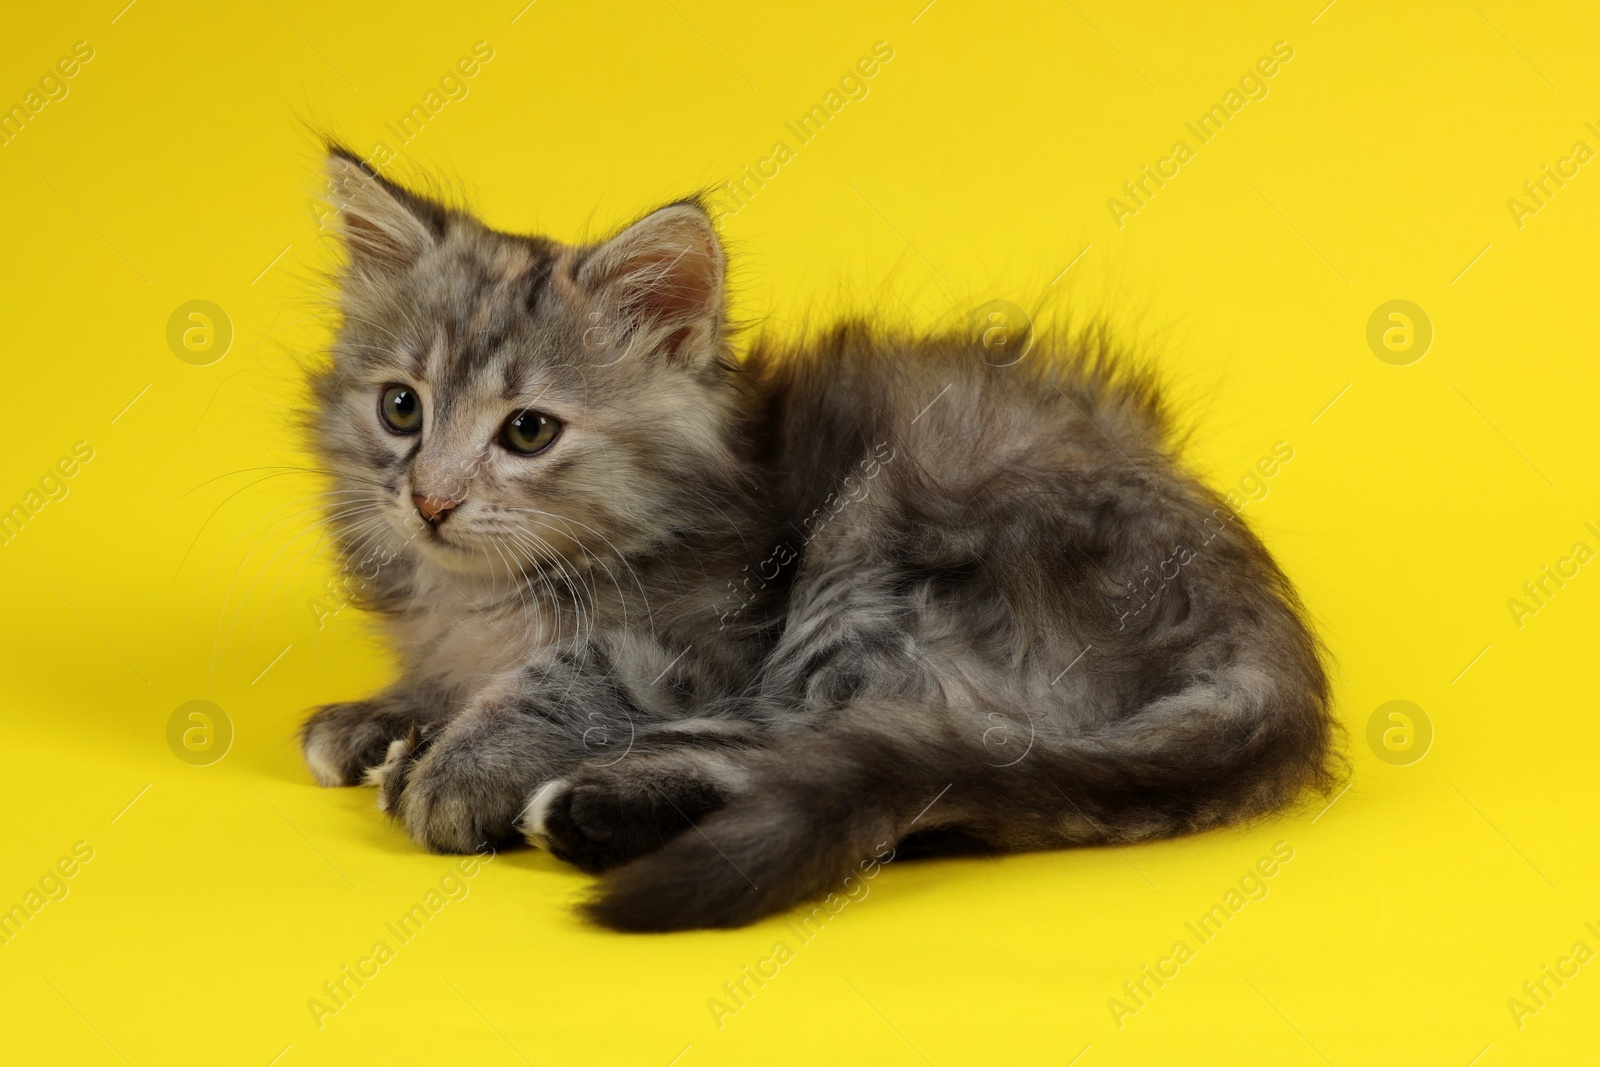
column 734, row 631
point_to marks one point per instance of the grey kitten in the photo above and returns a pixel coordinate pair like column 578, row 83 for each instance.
column 734, row 631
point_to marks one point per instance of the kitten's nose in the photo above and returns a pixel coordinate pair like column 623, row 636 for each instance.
column 435, row 509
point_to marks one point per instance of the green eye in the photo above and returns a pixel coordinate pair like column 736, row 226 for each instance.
column 401, row 409
column 528, row 432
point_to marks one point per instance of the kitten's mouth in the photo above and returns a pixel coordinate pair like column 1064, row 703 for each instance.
column 433, row 535
column 452, row 552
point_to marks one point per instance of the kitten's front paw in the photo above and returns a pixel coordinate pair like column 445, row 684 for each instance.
column 341, row 741
column 391, row 776
column 449, row 797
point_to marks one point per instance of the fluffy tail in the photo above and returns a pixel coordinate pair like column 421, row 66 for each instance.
column 814, row 809
column 824, row 807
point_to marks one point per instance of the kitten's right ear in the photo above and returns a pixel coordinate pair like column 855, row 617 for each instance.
column 386, row 228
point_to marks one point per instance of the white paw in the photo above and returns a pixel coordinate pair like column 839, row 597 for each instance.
column 318, row 758
column 533, row 816
column 399, row 749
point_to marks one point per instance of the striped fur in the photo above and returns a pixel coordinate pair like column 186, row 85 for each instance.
column 750, row 623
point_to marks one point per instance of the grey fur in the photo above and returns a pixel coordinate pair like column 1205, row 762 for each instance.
column 864, row 593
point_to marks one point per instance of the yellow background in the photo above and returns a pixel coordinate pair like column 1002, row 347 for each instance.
column 179, row 567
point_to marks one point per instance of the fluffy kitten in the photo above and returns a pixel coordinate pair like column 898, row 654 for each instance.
column 732, row 631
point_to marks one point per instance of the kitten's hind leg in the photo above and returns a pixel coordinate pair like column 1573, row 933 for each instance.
column 608, row 812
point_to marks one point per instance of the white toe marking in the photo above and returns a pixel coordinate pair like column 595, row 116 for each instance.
column 322, row 766
column 399, row 748
column 533, row 816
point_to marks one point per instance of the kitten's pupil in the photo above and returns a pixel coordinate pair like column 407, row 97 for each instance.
column 528, row 432
column 401, row 410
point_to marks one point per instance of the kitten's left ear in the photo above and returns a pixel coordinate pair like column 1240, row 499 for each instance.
column 663, row 277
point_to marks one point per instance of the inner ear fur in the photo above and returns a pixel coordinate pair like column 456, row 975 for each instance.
column 386, row 227
column 663, row 276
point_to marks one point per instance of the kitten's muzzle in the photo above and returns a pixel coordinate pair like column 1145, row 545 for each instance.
column 434, row 509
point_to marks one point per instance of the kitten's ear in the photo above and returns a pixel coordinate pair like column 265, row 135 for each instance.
column 385, row 228
column 663, row 278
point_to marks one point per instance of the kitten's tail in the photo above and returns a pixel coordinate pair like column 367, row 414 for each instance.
column 814, row 808
column 825, row 809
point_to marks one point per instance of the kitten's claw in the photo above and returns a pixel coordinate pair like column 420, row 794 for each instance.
column 393, row 776
column 398, row 756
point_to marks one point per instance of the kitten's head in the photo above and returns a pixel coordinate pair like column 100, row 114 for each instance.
column 495, row 400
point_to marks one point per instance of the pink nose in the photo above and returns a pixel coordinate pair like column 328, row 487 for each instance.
column 434, row 508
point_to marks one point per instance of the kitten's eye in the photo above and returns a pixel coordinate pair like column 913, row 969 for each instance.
column 528, row 432
column 401, row 409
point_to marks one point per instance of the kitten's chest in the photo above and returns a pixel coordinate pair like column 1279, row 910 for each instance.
column 467, row 643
